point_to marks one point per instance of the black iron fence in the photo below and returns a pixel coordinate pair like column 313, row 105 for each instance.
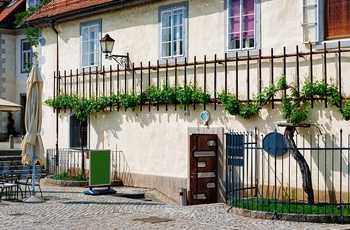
column 69, row 160
column 244, row 76
column 262, row 175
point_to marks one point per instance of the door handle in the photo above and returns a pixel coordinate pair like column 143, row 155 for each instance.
column 192, row 175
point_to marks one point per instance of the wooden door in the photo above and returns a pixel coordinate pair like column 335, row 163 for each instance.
column 203, row 169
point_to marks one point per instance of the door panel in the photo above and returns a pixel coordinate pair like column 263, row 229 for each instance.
column 203, row 169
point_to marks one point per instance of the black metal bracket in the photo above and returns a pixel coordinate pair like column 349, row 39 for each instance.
column 122, row 60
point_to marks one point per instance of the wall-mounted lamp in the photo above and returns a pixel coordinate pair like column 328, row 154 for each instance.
column 107, row 44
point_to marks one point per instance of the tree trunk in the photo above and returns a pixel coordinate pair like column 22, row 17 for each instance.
column 304, row 167
column 82, row 148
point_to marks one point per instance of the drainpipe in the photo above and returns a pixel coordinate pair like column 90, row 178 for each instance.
column 51, row 22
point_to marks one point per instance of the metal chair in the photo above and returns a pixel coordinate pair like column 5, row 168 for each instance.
column 37, row 177
column 6, row 169
column 9, row 177
column 2, row 176
column 23, row 179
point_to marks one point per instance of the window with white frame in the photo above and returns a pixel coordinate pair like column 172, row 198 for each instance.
column 241, row 25
column 173, row 30
column 33, row 3
column 90, row 43
column 74, row 132
column 26, row 56
column 326, row 20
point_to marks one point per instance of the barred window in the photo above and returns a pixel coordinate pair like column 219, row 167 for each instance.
column 74, row 137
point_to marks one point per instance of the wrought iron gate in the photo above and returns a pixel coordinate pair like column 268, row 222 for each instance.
column 262, row 174
column 241, row 153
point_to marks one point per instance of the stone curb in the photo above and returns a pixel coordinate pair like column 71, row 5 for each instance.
column 67, row 183
column 313, row 218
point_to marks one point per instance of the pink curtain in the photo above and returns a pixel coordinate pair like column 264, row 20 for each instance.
column 247, row 18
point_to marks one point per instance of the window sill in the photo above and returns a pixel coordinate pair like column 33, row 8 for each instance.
column 242, row 53
column 333, row 44
column 163, row 61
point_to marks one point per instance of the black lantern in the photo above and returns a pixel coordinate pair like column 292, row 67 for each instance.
column 107, row 44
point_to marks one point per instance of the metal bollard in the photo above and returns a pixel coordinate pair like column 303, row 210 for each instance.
column 183, row 196
column 11, row 142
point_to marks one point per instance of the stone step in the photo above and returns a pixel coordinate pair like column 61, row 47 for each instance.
column 10, row 152
column 13, row 159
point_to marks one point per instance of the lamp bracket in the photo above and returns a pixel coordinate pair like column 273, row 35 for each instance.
column 122, row 60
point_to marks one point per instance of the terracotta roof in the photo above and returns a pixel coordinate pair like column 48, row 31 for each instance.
column 11, row 8
column 57, row 7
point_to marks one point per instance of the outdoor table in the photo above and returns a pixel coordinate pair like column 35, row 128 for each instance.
column 11, row 190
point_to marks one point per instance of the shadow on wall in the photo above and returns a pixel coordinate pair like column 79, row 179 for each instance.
column 123, row 173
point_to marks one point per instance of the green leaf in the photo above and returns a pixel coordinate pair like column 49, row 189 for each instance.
column 129, row 101
column 299, row 115
column 249, row 110
column 231, row 104
column 346, row 111
column 282, row 82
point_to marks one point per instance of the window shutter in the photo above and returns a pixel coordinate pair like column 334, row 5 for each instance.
column 338, row 19
column 310, row 20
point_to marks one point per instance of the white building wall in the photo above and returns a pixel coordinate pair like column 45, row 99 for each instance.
column 9, row 89
column 155, row 143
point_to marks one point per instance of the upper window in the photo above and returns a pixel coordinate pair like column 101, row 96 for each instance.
column 325, row 20
column 90, row 45
column 26, row 56
column 337, row 19
column 33, row 2
column 173, row 28
column 241, row 25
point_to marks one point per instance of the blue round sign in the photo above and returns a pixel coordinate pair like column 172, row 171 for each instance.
column 274, row 144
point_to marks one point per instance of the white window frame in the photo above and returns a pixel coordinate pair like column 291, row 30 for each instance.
column 70, row 136
column 26, row 56
column 318, row 26
column 311, row 20
column 85, row 51
column 242, row 51
column 171, row 9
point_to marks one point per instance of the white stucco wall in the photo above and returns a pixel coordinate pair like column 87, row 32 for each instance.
column 8, row 77
column 156, row 142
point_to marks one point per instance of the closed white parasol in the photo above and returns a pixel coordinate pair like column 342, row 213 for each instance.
column 32, row 144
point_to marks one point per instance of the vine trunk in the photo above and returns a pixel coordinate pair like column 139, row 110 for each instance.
column 304, row 167
column 82, row 148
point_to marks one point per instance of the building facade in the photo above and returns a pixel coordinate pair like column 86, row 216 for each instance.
column 237, row 46
column 16, row 57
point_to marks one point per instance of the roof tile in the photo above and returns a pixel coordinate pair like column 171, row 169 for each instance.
column 7, row 11
column 57, row 7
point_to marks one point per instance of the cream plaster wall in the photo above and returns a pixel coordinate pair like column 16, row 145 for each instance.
column 10, row 67
column 281, row 25
column 8, row 82
column 155, row 143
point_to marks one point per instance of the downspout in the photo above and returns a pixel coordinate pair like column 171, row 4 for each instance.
column 51, row 22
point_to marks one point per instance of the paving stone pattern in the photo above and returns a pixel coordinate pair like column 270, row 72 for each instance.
column 70, row 208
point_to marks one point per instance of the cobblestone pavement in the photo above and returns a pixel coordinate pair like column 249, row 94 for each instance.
column 70, row 208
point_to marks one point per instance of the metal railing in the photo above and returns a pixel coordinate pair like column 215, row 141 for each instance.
column 69, row 160
column 244, row 77
column 262, row 174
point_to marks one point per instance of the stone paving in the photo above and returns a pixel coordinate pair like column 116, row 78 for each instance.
column 70, row 208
